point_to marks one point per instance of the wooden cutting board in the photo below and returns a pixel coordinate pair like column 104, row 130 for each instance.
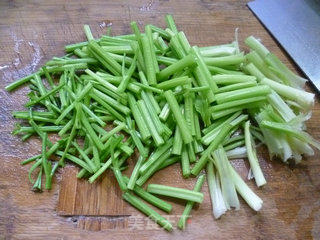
column 32, row 32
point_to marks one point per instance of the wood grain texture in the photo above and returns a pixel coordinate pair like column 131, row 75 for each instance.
column 32, row 32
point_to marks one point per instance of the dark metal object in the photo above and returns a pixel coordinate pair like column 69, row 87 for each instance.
column 296, row 25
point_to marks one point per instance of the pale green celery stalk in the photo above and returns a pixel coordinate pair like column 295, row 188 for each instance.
column 43, row 92
column 226, row 79
column 242, row 93
column 257, row 46
column 187, row 61
column 152, row 112
column 168, row 162
column 74, row 46
column 164, row 114
column 218, row 205
column 174, row 82
column 127, row 76
column 175, row 192
column 185, row 215
column 254, row 71
column 176, row 111
column 228, row 187
column 103, row 54
column 148, row 33
column 102, row 81
column 300, row 147
column 234, row 145
column 88, row 32
column 181, row 122
column 147, row 54
column 31, row 159
column 136, row 139
column 125, row 49
column 290, row 130
column 189, row 112
column 281, row 107
column 85, row 157
column 155, row 156
column 153, row 168
column 236, row 86
column 148, row 120
column 171, row 24
column 142, row 126
column 235, row 103
column 119, row 58
column 283, row 78
column 246, row 193
column 32, row 130
column 163, row 46
column 274, row 145
column 95, row 117
column 37, row 184
column 152, row 214
column 116, row 168
column 197, row 125
column 203, row 82
column 89, row 129
column 33, row 167
column 191, row 153
column 137, row 33
column 150, row 95
column 260, row 64
column 176, row 47
column 103, row 168
column 111, row 101
column 257, row 134
column 157, row 202
column 46, row 165
column 112, row 132
column 166, row 60
column 76, row 160
column 46, row 95
column 236, row 153
column 147, row 88
column 252, row 156
column 205, row 72
column 303, row 98
column 161, row 32
column 219, row 70
column 138, row 50
column 185, row 163
column 210, row 135
column 120, row 41
column 135, row 173
column 62, row 62
column 213, row 146
column 197, row 146
column 177, row 142
column 109, row 109
column 215, row 124
column 170, row 32
column 225, row 60
column 218, row 51
column 225, row 112
column 184, row 42
column 295, row 80
column 78, row 52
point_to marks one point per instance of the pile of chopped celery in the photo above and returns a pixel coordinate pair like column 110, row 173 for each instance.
column 171, row 102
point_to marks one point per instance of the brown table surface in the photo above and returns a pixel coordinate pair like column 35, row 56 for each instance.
column 32, row 32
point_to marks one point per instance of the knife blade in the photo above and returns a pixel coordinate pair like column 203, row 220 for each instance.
column 296, row 26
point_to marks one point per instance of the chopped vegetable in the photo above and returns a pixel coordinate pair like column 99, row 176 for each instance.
column 155, row 94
